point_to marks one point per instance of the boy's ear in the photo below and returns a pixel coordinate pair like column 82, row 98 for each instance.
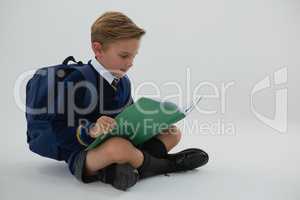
column 97, row 48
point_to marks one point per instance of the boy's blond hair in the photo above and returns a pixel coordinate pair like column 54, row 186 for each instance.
column 113, row 26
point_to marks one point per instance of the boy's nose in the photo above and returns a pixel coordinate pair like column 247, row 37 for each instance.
column 130, row 63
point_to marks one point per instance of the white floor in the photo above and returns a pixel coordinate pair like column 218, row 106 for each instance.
column 252, row 164
column 230, row 46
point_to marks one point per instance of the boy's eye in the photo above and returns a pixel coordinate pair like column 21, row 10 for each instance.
column 124, row 56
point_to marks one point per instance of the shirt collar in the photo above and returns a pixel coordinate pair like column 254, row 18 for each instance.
column 107, row 75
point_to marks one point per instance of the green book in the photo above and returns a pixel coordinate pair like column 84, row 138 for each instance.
column 143, row 120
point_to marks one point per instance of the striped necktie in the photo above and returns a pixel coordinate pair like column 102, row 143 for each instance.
column 114, row 83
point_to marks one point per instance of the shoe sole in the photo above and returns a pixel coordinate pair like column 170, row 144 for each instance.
column 125, row 177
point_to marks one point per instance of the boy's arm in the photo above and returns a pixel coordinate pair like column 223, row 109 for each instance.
column 83, row 131
column 83, row 136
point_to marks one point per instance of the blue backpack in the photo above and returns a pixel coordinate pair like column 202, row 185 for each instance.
column 40, row 112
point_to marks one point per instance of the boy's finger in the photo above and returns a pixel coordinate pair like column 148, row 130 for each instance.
column 109, row 119
column 102, row 126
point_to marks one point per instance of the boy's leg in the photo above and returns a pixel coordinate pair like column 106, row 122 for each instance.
column 120, row 151
column 113, row 156
column 115, row 162
column 114, row 150
column 112, row 162
column 170, row 137
column 160, row 145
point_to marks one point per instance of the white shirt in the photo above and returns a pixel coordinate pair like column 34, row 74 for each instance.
column 107, row 75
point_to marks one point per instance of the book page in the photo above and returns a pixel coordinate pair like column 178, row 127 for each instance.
column 191, row 107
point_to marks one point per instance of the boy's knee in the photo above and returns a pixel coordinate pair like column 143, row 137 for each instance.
column 177, row 136
column 118, row 149
column 170, row 137
column 175, row 133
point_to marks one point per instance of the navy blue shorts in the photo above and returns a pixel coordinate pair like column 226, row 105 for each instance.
column 77, row 168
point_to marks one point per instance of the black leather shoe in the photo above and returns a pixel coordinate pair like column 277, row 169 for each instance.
column 125, row 176
column 188, row 159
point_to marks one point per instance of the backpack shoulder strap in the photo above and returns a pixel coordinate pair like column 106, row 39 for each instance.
column 71, row 58
column 85, row 70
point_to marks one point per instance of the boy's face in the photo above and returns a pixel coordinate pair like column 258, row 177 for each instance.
column 118, row 56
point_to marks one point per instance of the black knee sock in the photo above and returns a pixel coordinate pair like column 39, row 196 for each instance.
column 107, row 174
column 155, row 147
column 153, row 166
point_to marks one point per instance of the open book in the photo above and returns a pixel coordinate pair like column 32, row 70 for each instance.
column 144, row 119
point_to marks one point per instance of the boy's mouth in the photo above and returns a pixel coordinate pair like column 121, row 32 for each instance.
column 121, row 72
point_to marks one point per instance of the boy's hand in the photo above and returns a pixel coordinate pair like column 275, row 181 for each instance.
column 103, row 125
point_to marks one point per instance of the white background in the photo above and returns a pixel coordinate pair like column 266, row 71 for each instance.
column 217, row 41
